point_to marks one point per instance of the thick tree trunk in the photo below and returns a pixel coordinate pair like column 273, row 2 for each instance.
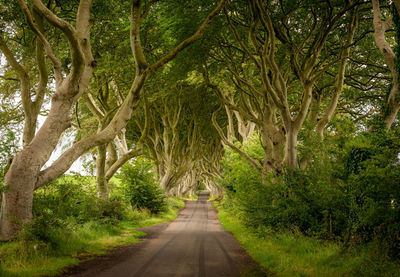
column 273, row 141
column 391, row 117
column 230, row 130
column 101, row 182
column 392, row 105
column 291, row 148
column 380, row 27
column 16, row 209
column 245, row 129
column 21, row 178
column 166, row 179
column 24, row 174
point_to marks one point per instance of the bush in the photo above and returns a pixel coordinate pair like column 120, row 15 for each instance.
column 375, row 193
column 309, row 201
column 350, row 194
column 66, row 202
column 141, row 188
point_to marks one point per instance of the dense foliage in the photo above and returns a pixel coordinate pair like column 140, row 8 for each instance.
column 299, row 99
column 71, row 201
column 348, row 193
column 68, row 202
column 141, row 188
column 70, row 220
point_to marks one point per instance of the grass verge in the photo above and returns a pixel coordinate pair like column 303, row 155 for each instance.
column 288, row 254
column 76, row 243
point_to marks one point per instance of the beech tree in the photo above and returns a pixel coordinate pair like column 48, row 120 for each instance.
column 180, row 140
column 392, row 105
column 25, row 173
column 111, row 156
column 275, row 58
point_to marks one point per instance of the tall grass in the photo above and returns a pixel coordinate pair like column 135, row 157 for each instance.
column 288, row 254
column 69, row 246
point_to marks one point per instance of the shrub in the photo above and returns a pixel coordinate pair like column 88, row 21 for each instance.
column 375, row 193
column 141, row 188
column 310, row 201
column 66, row 202
column 351, row 194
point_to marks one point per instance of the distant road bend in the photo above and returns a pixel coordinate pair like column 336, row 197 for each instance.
column 194, row 244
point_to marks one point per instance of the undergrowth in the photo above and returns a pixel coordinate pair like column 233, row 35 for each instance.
column 73, row 242
column 293, row 254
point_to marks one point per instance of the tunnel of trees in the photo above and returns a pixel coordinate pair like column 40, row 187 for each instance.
column 287, row 110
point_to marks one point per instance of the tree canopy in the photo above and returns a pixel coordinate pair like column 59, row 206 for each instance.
column 204, row 90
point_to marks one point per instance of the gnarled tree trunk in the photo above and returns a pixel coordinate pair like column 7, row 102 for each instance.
column 25, row 173
column 392, row 103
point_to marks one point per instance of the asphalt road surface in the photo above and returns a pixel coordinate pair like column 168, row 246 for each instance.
column 194, row 244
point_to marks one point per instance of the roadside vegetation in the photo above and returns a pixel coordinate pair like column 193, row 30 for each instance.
column 338, row 217
column 286, row 111
column 72, row 224
column 294, row 254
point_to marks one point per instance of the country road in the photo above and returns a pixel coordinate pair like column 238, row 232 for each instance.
column 194, row 244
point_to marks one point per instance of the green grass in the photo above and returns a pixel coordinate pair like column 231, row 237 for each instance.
column 77, row 243
column 287, row 254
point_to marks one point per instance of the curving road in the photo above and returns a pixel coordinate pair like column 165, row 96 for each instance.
column 194, row 244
